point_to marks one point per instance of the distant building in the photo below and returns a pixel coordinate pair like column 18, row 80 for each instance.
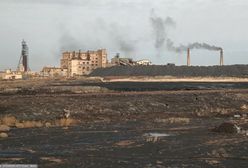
column 53, row 72
column 2, row 73
column 11, row 75
column 82, row 63
column 117, row 60
column 143, row 62
column 171, row 64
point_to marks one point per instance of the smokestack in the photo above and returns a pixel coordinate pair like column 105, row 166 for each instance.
column 188, row 57
column 221, row 57
column 23, row 62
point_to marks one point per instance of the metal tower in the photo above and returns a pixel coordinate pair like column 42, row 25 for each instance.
column 23, row 62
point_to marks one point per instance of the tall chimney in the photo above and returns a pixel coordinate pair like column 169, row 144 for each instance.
column 221, row 57
column 188, row 57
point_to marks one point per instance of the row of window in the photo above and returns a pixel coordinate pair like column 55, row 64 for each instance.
column 88, row 67
column 89, row 63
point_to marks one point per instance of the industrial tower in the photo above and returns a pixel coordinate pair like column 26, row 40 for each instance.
column 23, row 62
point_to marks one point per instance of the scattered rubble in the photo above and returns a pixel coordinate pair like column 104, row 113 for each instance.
column 155, row 137
column 227, row 127
column 125, row 143
column 3, row 135
column 4, row 128
column 244, row 107
column 11, row 121
column 173, row 120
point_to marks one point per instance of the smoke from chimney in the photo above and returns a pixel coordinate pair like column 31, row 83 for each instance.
column 160, row 27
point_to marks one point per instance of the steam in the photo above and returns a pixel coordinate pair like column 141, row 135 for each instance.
column 160, row 29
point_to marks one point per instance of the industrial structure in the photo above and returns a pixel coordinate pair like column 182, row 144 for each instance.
column 11, row 75
column 188, row 57
column 221, row 57
column 23, row 62
column 82, row 63
column 117, row 60
column 79, row 63
column 53, row 72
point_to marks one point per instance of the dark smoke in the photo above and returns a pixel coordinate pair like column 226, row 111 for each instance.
column 69, row 43
column 111, row 34
column 171, row 47
column 160, row 27
column 126, row 47
column 120, row 39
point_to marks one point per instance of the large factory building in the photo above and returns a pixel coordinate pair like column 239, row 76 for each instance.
column 82, row 63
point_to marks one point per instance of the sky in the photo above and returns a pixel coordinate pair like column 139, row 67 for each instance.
column 122, row 26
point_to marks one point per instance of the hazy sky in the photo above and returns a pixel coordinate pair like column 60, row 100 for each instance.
column 124, row 26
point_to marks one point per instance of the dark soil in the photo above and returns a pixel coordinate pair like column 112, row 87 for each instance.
column 177, row 71
column 113, row 125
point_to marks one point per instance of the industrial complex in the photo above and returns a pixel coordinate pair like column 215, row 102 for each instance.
column 22, row 68
column 77, row 63
column 81, row 63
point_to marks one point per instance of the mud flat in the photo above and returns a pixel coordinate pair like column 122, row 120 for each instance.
column 125, row 127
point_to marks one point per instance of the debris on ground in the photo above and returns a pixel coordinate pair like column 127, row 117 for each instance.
column 227, row 127
column 4, row 128
column 155, row 137
column 237, row 116
column 125, row 143
column 3, row 135
column 244, row 107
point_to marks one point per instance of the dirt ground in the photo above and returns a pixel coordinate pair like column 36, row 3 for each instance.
column 123, row 124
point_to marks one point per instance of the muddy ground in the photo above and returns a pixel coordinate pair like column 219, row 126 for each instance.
column 125, row 127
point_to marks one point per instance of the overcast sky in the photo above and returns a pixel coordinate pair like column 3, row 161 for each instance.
column 124, row 26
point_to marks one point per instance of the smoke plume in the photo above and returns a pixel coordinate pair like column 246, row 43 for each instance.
column 121, row 38
column 160, row 28
column 171, row 47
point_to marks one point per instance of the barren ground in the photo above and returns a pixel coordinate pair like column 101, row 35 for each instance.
column 123, row 124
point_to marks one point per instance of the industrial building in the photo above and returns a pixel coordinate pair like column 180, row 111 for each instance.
column 11, row 75
column 117, row 60
column 144, row 62
column 53, row 72
column 82, row 63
